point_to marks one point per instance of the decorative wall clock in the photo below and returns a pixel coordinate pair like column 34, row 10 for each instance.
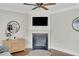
column 13, row 27
column 75, row 24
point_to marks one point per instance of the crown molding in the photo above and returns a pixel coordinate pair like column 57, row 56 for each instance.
column 66, row 9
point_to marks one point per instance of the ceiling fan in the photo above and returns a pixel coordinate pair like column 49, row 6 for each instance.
column 40, row 5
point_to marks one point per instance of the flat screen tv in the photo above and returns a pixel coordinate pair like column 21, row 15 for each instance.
column 39, row 21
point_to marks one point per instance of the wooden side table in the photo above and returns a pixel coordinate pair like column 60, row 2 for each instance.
column 15, row 45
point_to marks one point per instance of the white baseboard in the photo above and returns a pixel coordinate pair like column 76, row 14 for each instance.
column 66, row 51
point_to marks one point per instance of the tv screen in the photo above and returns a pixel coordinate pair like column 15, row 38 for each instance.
column 40, row 21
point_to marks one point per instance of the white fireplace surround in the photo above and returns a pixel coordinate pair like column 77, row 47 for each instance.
column 38, row 29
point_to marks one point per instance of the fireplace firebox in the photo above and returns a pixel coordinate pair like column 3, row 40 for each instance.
column 40, row 41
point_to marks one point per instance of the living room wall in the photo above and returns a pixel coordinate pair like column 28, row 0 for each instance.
column 63, row 36
column 6, row 16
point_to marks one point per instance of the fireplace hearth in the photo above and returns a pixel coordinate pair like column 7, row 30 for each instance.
column 40, row 41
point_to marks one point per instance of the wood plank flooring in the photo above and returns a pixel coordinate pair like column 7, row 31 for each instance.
column 59, row 53
column 54, row 53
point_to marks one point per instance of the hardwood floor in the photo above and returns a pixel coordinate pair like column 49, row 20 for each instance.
column 21, row 53
column 59, row 53
column 54, row 53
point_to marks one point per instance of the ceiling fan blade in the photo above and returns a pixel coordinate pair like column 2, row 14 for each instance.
column 44, row 7
column 47, row 4
column 29, row 4
column 34, row 8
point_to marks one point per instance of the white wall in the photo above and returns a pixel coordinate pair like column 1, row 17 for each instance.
column 6, row 16
column 62, row 34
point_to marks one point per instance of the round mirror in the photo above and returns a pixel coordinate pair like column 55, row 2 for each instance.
column 13, row 26
column 75, row 24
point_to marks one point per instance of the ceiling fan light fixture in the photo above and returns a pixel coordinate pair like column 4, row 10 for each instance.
column 40, row 5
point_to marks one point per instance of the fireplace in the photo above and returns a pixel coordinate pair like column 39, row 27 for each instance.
column 40, row 41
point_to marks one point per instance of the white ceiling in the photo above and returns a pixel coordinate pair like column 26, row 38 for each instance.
column 19, row 7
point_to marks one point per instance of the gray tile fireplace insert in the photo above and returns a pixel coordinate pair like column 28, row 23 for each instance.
column 40, row 41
